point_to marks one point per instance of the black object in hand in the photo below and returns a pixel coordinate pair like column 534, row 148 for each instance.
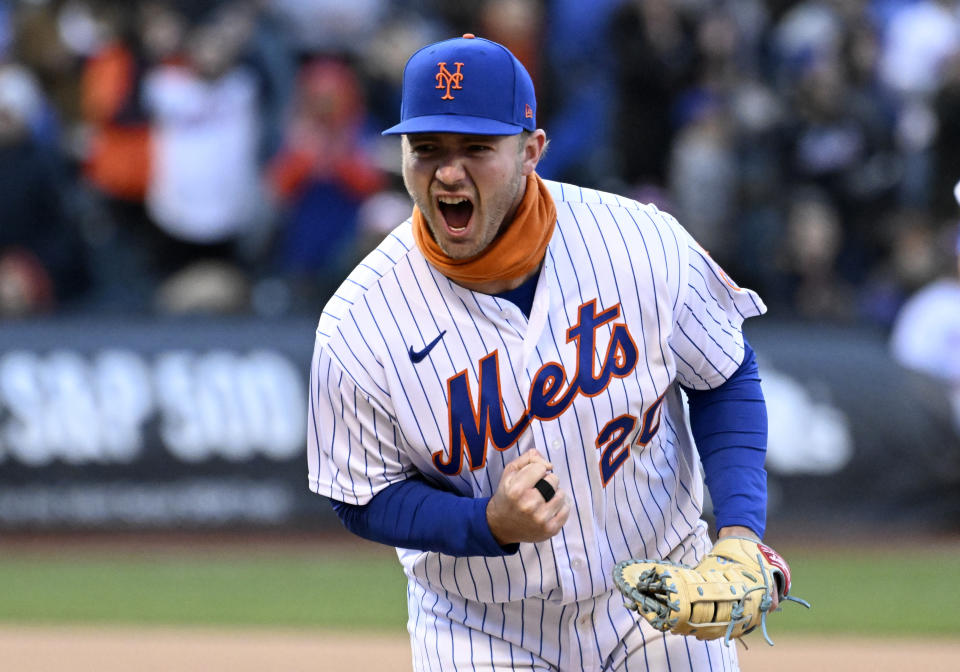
column 545, row 489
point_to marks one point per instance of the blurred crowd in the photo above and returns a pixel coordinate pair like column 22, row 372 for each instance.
column 177, row 156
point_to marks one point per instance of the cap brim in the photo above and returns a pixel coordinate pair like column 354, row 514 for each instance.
column 453, row 123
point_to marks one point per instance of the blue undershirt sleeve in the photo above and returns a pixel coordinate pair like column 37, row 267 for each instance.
column 414, row 514
column 729, row 425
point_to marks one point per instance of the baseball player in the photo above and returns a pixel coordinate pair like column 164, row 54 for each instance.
column 496, row 391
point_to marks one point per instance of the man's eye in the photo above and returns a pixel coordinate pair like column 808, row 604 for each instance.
column 423, row 149
column 479, row 148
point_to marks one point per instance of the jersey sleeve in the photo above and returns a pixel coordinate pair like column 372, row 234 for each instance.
column 707, row 339
column 353, row 444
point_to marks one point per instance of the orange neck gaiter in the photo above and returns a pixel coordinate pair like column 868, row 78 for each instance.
column 514, row 253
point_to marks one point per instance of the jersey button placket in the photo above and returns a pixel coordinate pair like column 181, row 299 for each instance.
column 581, row 629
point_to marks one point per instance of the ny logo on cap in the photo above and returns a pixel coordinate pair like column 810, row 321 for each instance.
column 449, row 80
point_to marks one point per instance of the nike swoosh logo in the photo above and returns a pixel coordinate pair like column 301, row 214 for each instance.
column 418, row 355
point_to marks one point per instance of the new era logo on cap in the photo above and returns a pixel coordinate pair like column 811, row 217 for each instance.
column 466, row 85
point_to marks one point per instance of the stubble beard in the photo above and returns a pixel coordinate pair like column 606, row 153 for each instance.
column 501, row 210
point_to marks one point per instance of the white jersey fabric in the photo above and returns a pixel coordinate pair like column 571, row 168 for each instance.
column 624, row 291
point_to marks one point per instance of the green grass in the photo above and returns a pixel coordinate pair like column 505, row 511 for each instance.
column 912, row 593
column 205, row 589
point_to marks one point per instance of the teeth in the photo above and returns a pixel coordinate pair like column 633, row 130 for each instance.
column 451, row 200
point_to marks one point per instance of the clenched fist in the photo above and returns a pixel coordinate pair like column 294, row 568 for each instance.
column 518, row 512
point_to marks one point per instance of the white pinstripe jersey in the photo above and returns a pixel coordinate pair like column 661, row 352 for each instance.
column 627, row 305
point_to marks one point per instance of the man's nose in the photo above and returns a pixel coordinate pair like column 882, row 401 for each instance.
column 450, row 171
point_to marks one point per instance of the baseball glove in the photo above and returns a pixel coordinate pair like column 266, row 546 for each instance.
column 727, row 595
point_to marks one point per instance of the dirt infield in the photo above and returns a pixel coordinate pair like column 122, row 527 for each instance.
column 83, row 649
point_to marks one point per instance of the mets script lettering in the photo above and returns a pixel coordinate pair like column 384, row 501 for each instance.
column 474, row 424
column 448, row 80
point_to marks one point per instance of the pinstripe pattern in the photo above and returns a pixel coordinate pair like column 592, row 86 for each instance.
column 377, row 417
column 451, row 633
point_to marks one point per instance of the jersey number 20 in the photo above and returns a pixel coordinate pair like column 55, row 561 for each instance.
column 612, row 439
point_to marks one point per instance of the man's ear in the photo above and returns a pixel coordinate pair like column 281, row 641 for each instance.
column 534, row 147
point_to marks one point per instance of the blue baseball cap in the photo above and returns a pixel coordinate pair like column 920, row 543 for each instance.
column 466, row 85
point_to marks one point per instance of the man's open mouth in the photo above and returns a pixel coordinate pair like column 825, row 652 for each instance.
column 456, row 211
